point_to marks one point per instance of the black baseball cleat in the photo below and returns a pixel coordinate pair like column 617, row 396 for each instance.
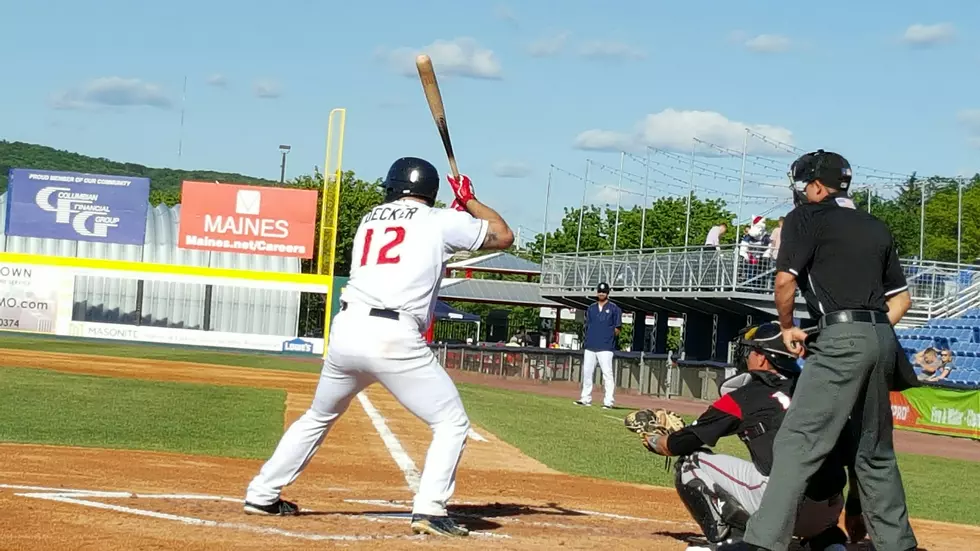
column 437, row 526
column 581, row 403
column 278, row 508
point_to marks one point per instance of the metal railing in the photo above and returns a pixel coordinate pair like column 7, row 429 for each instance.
column 936, row 287
column 656, row 375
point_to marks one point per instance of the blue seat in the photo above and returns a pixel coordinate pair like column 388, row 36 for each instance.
column 973, row 377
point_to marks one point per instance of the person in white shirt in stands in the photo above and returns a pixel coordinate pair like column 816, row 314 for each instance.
column 714, row 236
column 775, row 237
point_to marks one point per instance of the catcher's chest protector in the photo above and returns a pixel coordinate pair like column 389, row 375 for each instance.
column 762, row 404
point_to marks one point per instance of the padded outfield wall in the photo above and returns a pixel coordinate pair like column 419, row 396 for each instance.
column 165, row 304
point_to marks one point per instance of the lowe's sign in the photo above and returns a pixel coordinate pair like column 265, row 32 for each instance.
column 298, row 346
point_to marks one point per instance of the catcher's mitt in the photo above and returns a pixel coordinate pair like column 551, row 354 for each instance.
column 653, row 422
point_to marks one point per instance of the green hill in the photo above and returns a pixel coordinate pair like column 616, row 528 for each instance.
column 164, row 182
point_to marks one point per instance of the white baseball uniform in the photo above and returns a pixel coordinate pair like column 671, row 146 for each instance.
column 399, row 256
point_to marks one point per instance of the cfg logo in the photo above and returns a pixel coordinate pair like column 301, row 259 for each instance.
column 77, row 209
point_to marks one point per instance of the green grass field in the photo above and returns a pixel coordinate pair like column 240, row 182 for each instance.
column 45, row 407
column 158, row 352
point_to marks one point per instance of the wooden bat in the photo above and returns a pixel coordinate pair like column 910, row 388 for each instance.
column 431, row 88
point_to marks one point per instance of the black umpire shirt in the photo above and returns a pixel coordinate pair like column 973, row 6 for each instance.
column 754, row 412
column 843, row 258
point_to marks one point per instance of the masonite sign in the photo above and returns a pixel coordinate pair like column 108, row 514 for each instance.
column 936, row 410
column 30, row 295
column 187, row 337
column 247, row 219
column 77, row 206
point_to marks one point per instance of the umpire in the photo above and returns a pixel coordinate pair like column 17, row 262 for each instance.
column 845, row 263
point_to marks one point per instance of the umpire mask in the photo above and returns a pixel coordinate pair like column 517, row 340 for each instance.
column 766, row 339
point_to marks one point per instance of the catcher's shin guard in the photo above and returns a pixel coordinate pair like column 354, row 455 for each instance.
column 697, row 499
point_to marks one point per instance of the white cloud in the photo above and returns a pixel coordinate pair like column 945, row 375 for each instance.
column 504, row 13
column 218, row 80
column 606, row 195
column 549, row 45
column 267, row 89
column 112, row 92
column 460, row 56
column 970, row 118
column 675, row 130
column 511, row 169
column 609, row 49
column 928, row 35
column 768, row 43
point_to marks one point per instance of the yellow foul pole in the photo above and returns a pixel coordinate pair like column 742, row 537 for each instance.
column 329, row 210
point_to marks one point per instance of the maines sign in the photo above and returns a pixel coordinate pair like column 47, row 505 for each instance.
column 76, row 206
column 247, row 219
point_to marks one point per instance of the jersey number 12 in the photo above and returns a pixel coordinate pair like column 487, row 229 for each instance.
column 384, row 255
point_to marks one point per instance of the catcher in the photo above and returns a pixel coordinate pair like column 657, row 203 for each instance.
column 721, row 492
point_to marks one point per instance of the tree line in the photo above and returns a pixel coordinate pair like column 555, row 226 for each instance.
column 664, row 225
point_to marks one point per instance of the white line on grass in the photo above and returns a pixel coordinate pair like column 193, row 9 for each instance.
column 395, row 448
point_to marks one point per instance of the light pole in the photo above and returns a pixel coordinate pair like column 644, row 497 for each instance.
column 284, row 149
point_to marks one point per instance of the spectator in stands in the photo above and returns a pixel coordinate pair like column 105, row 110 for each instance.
column 714, row 236
column 930, row 362
column 774, row 238
column 946, row 365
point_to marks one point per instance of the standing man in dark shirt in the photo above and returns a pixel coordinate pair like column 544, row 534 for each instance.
column 603, row 320
column 845, row 263
column 720, row 491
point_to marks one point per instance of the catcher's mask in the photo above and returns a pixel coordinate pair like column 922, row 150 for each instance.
column 766, row 339
column 831, row 169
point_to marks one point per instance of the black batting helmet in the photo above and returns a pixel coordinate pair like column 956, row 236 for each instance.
column 412, row 177
column 766, row 339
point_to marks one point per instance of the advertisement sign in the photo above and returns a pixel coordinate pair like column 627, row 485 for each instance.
column 938, row 410
column 297, row 346
column 76, row 206
column 247, row 219
column 192, row 337
column 30, row 297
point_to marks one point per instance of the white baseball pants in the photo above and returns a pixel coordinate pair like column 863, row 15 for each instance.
column 363, row 350
column 741, row 480
column 605, row 360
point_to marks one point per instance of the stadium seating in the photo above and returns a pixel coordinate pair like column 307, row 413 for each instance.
column 961, row 335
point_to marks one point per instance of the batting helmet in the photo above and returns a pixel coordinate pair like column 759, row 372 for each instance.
column 412, row 177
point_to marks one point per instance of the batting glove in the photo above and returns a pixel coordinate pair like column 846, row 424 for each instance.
column 463, row 188
column 457, row 206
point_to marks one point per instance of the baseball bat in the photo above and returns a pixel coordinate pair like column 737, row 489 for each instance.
column 431, row 88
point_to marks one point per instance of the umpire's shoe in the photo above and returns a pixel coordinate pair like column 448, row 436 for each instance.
column 437, row 526
column 278, row 508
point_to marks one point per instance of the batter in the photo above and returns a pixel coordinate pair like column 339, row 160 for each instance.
column 399, row 255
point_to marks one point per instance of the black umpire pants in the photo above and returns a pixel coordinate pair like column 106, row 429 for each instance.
column 846, row 373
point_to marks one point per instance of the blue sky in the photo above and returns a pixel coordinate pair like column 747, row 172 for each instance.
column 529, row 85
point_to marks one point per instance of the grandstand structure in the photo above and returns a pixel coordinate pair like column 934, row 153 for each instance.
column 961, row 335
column 718, row 293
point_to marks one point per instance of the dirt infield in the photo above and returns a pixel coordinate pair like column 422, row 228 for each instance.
column 354, row 494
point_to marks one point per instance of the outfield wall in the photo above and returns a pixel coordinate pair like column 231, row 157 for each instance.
column 40, row 294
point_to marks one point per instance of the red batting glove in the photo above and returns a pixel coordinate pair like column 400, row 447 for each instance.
column 463, row 188
column 457, row 206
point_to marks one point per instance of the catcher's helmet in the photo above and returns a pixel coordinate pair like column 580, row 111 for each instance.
column 766, row 339
column 412, row 177
column 831, row 169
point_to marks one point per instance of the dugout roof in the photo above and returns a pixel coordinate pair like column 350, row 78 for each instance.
column 498, row 262
column 514, row 293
